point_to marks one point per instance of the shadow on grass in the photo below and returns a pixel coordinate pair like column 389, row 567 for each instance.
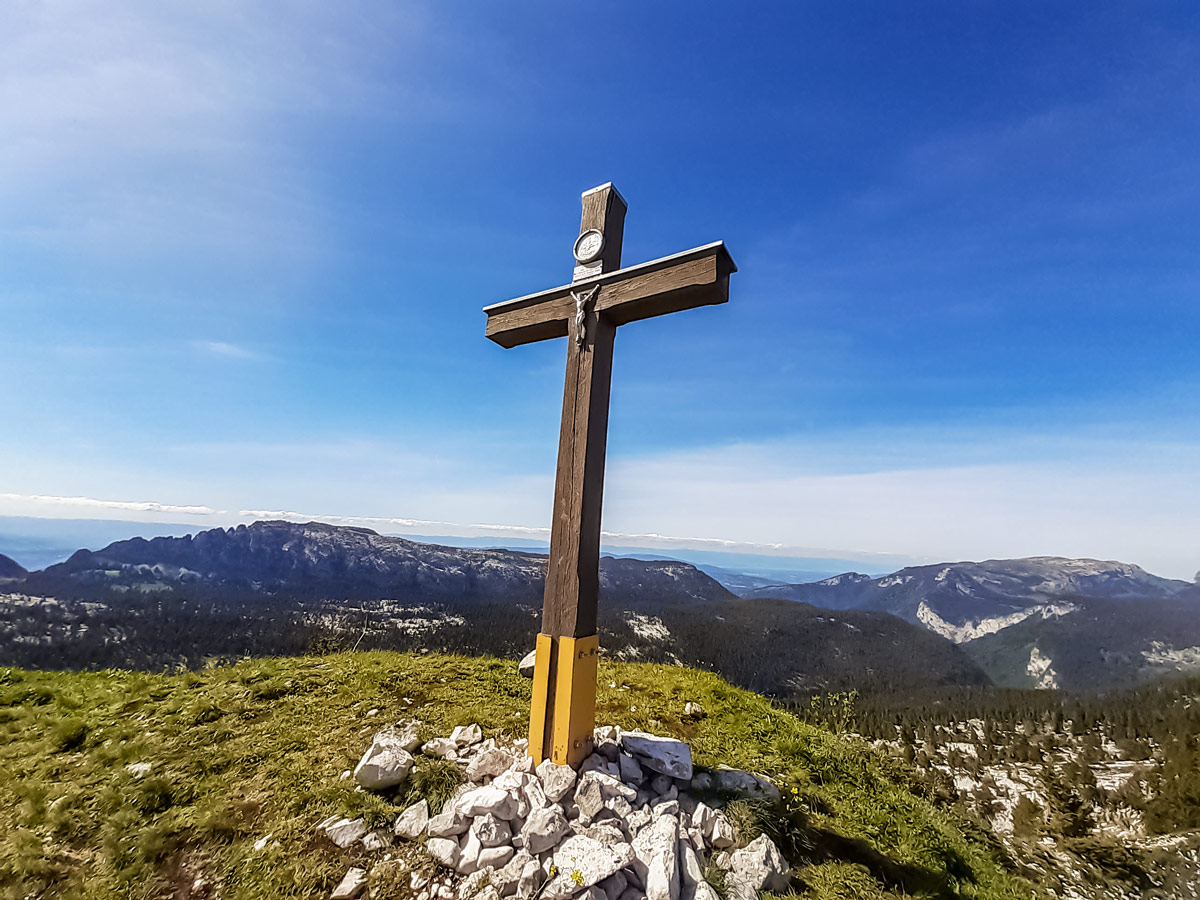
column 822, row 845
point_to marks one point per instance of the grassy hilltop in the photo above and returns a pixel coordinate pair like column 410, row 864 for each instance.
column 240, row 752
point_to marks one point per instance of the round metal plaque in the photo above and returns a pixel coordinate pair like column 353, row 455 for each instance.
column 588, row 246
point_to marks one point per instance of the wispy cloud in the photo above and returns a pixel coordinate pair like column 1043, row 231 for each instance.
column 143, row 136
column 230, row 351
column 18, row 504
column 1133, row 501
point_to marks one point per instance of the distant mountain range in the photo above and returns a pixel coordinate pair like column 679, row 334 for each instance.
column 1038, row 622
column 412, row 595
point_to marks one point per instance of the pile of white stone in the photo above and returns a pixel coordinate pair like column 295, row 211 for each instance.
column 628, row 825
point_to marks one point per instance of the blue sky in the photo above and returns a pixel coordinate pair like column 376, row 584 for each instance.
column 244, row 250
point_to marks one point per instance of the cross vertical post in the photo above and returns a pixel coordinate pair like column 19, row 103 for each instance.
column 600, row 297
column 561, row 725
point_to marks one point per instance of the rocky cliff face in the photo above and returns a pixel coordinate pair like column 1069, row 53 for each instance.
column 1043, row 622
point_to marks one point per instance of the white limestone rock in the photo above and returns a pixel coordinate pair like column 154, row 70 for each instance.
column 407, row 734
column 610, row 786
column 665, row 808
column 544, row 829
column 656, row 851
column 607, row 832
column 508, row 878
column 638, row 819
column 620, row 807
column 691, row 873
column 468, row 859
column 582, row 862
column 411, row 823
column 515, row 783
column 445, row 850
column 487, row 799
column 532, row 879
column 704, row 817
column 535, row 794
column 705, row 891
column 496, row 857
column 466, row 735
column 350, row 886
column 448, row 823
column 441, row 747
column 375, row 841
column 597, row 791
column 470, row 886
column 527, row 664
column 659, row 754
column 556, row 780
column 722, row 832
column 386, row 763
column 488, row 764
column 759, row 866
column 492, row 832
column 343, row 832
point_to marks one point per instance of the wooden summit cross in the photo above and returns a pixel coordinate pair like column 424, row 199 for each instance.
column 601, row 296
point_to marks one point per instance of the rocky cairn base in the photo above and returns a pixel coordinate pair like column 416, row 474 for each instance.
column 630, row 824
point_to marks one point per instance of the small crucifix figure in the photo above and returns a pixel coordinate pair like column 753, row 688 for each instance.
column 600, row 297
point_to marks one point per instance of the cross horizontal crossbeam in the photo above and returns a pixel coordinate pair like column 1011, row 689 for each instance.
column 696, row 277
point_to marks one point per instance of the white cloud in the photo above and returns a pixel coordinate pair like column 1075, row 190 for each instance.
column 63, row 507
column 1136, row 503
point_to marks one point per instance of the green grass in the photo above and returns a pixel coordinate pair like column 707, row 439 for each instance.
column 258, row 748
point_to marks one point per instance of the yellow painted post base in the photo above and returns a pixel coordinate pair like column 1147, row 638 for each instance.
column 563, row 714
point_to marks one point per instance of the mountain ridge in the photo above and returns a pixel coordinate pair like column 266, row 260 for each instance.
column 10, row 568
column 968, row 591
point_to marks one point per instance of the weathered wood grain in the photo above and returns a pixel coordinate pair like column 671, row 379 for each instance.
column 572, row 578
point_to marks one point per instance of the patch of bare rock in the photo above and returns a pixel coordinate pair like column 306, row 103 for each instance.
column 629, row 824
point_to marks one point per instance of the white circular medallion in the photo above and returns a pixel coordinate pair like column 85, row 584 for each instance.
column 588, row 246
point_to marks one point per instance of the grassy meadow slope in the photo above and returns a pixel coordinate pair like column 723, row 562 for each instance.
column 240, row 752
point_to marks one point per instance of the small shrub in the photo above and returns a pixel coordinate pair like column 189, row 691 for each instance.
column 69, row 734
column 153, row 795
